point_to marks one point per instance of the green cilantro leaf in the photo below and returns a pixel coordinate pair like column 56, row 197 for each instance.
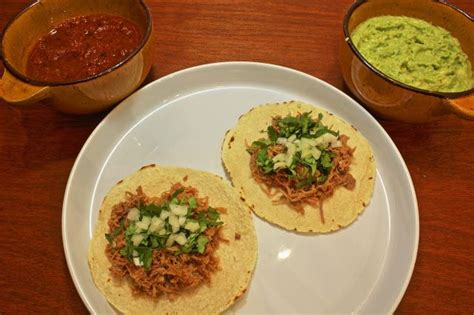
column 213, row 214
column 130, row 230
column 146, row 257
column 190, row 244
column 305, row 183
column 264, row 161
column 325, row 160
column 154, row 241
column 322, row 178
column 192, row 203
column 202, row 241
column 311, row 163
column 110, row 237
column 176, row 193
column 149, row 210
column 127, row 251
column 262, row 157
column 272, row 134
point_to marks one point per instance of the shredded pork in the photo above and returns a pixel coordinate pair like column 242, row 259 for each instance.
column 169, row 274
column 313, row 194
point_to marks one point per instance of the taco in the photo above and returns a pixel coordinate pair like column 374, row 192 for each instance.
column 300, row 167
column 173, row 240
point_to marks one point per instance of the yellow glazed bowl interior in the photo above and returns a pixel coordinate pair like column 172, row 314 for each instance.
column 391, row 99
column 87, row 95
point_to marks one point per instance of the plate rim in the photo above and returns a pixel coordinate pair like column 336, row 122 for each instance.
column 201, row 67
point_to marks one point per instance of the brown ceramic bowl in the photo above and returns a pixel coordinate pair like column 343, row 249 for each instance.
column 391, row 99
column 89, row 95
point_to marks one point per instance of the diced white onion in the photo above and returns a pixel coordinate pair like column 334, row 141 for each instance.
column 291, row 149
column 179, row 210
column 164, row 214
column 278, row 165
column 315, row 153
column 181, row 239
column 156, row 224
column 289, row 160
column 318, row 141
column 305, row 153
column 282, row 140
column 137, row 239
column 329, row 139
column 137, row 262
column 279, row 157
column 308, row 141
column 162, row 231
column 133, row 214
column 143, row 223
column 292, row 138
column 170, row 240
column 191, row 226
column 174, row 222
column 156, row 220
column 303, row 146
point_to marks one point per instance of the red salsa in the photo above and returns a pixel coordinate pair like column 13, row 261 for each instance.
column 81, row 47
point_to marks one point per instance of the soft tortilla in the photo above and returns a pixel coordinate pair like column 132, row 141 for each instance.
column 339, row 210
column 236, row 259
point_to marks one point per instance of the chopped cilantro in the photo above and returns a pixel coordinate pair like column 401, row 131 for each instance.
column 272, row 134
column 190, row 244
column 110, row 237
column 203, row 224
column 325, row 160
column 264, row 161
column 213, row 214
column 202, row 241
column 127, row 251
column 130, row 230
column 154, row 241
column 176, row 193
column 305, row 183
column 311, row 163
column 146, row 256
column 322, row 178
column 149, row 210
column 192, row 203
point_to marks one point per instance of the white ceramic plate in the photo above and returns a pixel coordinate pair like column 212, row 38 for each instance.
column 181, row 120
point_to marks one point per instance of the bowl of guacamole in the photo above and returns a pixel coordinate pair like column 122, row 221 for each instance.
column 409, row 60
column 414, row 52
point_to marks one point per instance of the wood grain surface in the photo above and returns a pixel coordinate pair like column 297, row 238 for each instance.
column 38, row 147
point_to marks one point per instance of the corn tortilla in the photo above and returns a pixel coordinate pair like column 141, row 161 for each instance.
column 236, row 259
column 341, row 209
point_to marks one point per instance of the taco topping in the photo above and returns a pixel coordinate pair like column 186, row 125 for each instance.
column 164, row 244
column 303, row 159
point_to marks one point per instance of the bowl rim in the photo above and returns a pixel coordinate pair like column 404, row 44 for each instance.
column 348, row 40
column 21, row 76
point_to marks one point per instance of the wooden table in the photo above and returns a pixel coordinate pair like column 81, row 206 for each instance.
column 38, row 147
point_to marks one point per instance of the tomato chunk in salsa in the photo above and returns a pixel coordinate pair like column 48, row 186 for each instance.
column 81, row 47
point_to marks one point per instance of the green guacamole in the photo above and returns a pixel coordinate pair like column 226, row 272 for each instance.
column 414, row 52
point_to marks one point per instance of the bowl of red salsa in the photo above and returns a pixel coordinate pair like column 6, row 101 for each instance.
column 83, row 56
